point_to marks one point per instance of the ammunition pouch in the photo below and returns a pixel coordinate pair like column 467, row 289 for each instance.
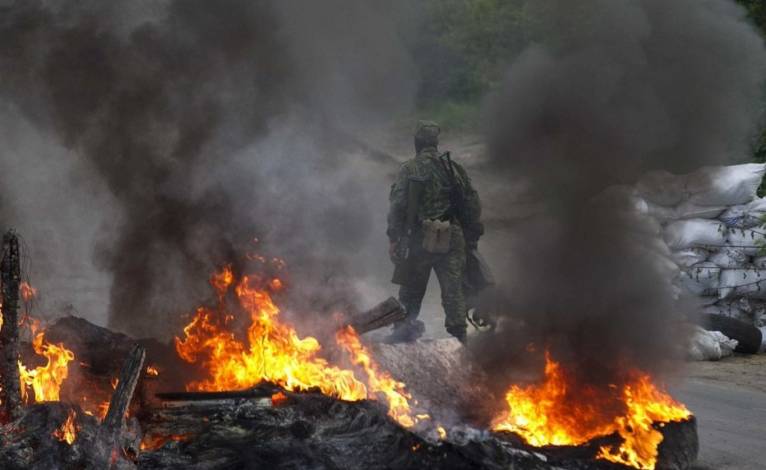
column 436, row 236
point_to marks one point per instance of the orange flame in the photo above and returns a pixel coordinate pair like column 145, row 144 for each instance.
column 27, row 291
column 152, row 371
column 46, row 380
column 279, row 399
column 67, row 432
column 91, row 408
column 380, row 382
column 152, row 442
column 557, row 412
column 272, row 352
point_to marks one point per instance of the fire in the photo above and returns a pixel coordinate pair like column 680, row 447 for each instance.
column 278, row 399
column 380, row 382
column 152, row 371
column 272, row 351
column 46, row 380
column 558, row 412
column 27, row 291
column 67, row 432
column 92, row 408
column 152, row 442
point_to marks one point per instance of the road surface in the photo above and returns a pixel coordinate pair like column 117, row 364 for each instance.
column 729, row 400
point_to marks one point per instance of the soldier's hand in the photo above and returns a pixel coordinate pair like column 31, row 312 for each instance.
column 399, row 250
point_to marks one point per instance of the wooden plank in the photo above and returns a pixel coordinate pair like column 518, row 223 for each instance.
column 384, row 314
column 123, row 393
column 10, row 276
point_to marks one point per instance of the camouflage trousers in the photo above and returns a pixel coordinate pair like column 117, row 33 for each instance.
column 449, row 268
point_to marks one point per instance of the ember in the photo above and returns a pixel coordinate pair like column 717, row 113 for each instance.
column 153, row 442
column 278, row 399
column 558, row 412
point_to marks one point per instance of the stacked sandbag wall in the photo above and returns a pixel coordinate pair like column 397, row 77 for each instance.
column 713, row 223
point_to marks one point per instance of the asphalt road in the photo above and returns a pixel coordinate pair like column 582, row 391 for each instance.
column 729, row 400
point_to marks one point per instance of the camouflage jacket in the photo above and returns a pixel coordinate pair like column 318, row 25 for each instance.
column 435, row 200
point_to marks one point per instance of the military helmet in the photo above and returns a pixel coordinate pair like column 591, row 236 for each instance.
column 427, row 130
column 426, row 134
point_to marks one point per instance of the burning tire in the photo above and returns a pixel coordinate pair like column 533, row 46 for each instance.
column 749, row 337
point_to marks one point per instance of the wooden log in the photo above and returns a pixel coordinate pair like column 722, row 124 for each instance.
column 10, row 276
column 260, row 391
column 129, row 375
column 108, row 443
column 383, row 314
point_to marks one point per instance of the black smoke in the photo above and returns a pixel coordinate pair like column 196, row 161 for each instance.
column 612, row 89
column 207, row 123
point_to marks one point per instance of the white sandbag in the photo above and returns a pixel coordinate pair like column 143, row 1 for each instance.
column 759, row 262
column 725, row 186
column 661, row 213
column 751, row 242
column 701, row 279
column 691, row 233
column 689, row 210
column 729, row 257
column 710, row 345
column 726, row 344
column 742, row 283
column 690, row 256
column 763, row 336
column 661, row 188
column 746, row 215
column 683, row 211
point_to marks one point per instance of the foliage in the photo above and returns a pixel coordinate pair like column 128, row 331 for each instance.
column 462, row 48
column 756, row 11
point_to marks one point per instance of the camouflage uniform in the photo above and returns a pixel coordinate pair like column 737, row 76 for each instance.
column 434, row 204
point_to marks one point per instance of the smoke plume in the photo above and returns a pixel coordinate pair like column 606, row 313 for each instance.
column 613, row 89
column 198, row 126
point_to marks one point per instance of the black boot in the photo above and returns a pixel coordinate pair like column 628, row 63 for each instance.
column 459, row 334
column 405, row 331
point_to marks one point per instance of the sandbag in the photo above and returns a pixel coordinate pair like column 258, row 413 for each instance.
column 751, row 242
column 710, row 345
column 759, row 262
column 662, row 188
column 683, row 211
column 690, row 256
column 745, row 216
column 691, row 233
column 742, row 283
column 701, row 279
column 689, row 210
column 729, row 257
column 763, row 338
column 725, row 186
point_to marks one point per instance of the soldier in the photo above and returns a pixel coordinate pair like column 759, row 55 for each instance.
column 433, row 220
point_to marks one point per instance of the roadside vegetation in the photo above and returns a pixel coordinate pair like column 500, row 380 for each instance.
column 465, row 46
